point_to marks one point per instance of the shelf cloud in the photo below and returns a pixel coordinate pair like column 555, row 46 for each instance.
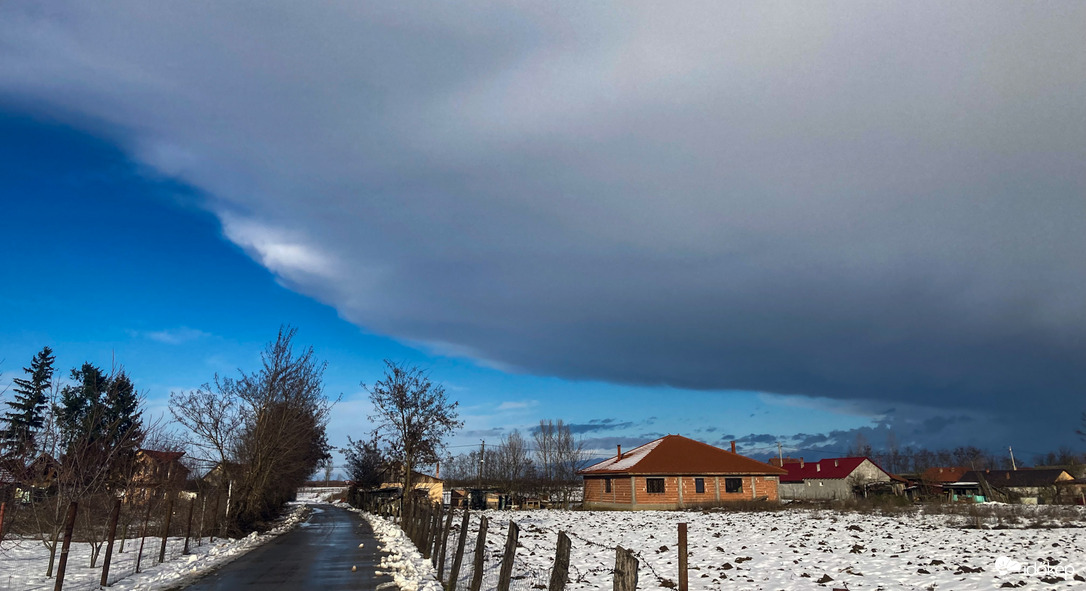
column 855, row 201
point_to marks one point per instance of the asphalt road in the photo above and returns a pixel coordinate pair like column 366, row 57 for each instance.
column 318, row 554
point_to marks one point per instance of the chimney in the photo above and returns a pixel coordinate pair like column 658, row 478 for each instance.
column 801, row 461
column 818, row 467
column 834, row 462
column 733, row 446
column 619, row 453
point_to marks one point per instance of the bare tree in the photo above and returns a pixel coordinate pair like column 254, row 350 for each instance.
column 282, row 438
column 212, row 418
column 365, row 462
column 544, row 449
column 413, row 416
column 561, row 455
column 512, row 462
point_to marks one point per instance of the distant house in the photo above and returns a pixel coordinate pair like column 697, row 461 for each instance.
column 837, row 478
column 431, row 487
column 675, row 472
column 158, row 471
column 34, row 481
column 931, row 483
column 1026, row 486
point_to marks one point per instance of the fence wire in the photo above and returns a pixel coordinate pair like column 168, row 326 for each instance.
column 525, row 577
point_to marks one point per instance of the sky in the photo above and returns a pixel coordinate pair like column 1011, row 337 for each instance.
column 754, row 221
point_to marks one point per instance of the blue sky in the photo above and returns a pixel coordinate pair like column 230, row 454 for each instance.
column 117, row 264
column 727, row 223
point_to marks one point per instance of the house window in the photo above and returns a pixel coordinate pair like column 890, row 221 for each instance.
column 654, row 485
column 699, row 485
column 733, row 485
column 606, row 485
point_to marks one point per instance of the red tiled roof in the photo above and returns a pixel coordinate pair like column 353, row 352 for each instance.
column 675, row 454
column 952, row 474
column 164, row 457
column 827, row 468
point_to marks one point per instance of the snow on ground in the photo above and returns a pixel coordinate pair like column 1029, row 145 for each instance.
column 23, row 561
column 797, row 549
column 319, row 494
column 404, row 563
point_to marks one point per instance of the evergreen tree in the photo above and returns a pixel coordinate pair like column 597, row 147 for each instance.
column 79, row 414
column 100, row 425
column 25, row 417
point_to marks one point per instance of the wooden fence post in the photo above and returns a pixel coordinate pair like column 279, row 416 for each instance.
column 444, row 540
column 561, row 563
column 625, row 570
column 432, row 533
column 143, row 534
column 684, row 581
column 507, row 558
column 166, row 531
column 215, row 518
column 458, row 559
column 203, row 514
column 424, row 529
column 480, row 554
column 69, row 525
column 113, row 517
column 188, row 528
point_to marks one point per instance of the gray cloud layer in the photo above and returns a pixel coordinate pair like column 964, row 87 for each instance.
column 881, row 200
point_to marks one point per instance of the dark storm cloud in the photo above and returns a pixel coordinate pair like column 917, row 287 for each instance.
column 879, row 201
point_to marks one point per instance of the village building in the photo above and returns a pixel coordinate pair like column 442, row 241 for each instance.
column 674, row 472
column 157, row 472
column 1026, row 486
column 931, row 483
column 837, row 479
column 424, row 485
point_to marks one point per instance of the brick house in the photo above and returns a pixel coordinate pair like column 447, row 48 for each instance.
column 674, row 472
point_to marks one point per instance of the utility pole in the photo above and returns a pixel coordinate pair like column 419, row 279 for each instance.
column 482, row 454
column 1013, row 465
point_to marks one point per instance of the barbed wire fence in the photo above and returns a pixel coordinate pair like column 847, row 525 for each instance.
column 470, row 554
column 135, row 535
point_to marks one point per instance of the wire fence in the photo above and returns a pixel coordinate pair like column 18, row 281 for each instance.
column 110, row 539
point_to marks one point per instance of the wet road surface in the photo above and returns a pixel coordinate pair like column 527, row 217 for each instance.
column 318, row 554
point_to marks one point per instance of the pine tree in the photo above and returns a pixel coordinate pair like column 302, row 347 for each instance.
column 27, row 411
column 80, row 409
column 100, row 425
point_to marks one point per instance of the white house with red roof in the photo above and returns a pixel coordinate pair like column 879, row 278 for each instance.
column 836, row 478
column 674, row 472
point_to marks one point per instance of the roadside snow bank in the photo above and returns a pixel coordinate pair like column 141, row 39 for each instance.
column 23, row 561
column 405, row 564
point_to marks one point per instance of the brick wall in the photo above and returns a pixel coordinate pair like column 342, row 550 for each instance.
column 754, row 487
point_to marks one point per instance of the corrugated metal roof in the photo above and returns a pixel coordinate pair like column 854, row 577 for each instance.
column 827, row 468
column 951, row 474
column 675, row 454
column 1017, row 478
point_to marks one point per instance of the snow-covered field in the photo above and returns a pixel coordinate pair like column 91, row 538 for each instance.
column 23, row 561
column 793, row 549
column 319, row 494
